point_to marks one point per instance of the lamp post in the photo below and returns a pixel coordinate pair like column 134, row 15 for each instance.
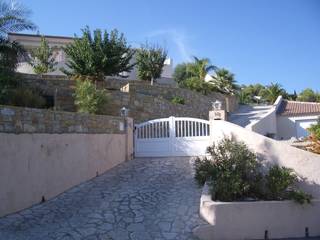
column 124, row 112
column 217, row 112
column 217, row 105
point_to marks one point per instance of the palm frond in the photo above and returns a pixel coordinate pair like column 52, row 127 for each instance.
column 14, row 18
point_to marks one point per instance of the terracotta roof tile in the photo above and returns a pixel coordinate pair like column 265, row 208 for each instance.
column 292, row 108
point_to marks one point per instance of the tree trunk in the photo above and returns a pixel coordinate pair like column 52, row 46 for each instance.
column 152, row 81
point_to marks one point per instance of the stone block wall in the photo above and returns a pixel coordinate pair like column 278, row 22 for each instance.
column 145, row 102
column 28, row 120
column 191, row 98
column 167, row 92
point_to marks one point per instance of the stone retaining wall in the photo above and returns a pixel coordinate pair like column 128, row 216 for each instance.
column 28, row 120
column 145, row 102
column 191, row 98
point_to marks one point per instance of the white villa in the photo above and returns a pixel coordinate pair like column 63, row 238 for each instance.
column 293, row 118
column 282, row 121
column 31, row 41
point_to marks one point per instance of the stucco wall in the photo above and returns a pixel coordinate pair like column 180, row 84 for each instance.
column 286, row 126
column 43, row 153
column 33, row 166
column 265, row 125
column 255, row 220
column 305, row 164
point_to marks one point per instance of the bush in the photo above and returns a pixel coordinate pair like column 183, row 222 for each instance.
column 88, row 98
column 22, row 97
column 280, row 185
column 233, row 173
column 315, row 137
column 204, row 170
column 178, row 100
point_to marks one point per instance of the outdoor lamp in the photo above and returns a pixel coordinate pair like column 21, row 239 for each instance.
column 216, row 105
column 124, row 112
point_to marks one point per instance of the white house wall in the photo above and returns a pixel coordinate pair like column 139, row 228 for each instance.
column 286, row 126
column 265, row 125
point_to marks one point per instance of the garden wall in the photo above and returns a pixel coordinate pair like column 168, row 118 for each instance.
column 42, row 162
column 192, row 98
column 263, row 219
column 257, row 220
column 143, row 107
column 29, row 120
column 145, row 102
column 266, row 125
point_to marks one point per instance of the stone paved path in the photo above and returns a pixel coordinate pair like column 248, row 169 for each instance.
column 141, row 199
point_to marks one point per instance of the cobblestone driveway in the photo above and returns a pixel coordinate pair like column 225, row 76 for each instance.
column 141, row 199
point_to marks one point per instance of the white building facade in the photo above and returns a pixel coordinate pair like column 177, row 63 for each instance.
column 287, row 119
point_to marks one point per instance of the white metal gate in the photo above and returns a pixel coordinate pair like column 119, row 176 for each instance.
column 172, row 137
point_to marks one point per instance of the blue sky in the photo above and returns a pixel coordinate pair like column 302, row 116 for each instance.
column 260, row 41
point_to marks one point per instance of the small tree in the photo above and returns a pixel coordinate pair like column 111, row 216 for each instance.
column 103, row 54
column 88, row 98
column 150, row 62
column 43, row 60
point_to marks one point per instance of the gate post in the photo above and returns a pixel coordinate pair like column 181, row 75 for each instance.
column 214, row 116
column 172, row 132
column 129, row 131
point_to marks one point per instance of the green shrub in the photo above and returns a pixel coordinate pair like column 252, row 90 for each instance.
column 280, row 185
column 278, row 180
column 178, row 100
column 88, row 98
column 314, row 137
column 234, row 173
column 315, row 129
column 204, row 170
column 23, row 97
column 299, row 196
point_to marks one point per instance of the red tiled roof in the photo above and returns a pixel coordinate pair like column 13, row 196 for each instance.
column 292, row 108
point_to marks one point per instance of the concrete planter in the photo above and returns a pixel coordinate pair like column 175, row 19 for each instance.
column 257, row 220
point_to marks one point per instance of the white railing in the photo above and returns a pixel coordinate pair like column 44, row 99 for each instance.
column 191, row 127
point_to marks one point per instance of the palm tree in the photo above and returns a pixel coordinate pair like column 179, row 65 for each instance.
column 199, row 68
column 272, row 92
column 224, row 81
column 14, row 18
